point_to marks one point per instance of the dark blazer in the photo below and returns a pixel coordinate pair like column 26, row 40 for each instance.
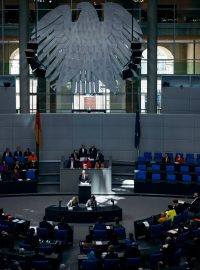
column 84, row 180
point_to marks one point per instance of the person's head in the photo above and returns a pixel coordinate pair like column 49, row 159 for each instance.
column 130, row 236
column 44, row 218
column 116, row 220
column 62, row 266
column 22, row 251
column 74, row 199
column 32, row 231
column 175, row 202
column 93, row 197
column 170, row 207
column 162, row 214
column 134, row 245
column 168, row 240
column 111, row 249
column 196, row 194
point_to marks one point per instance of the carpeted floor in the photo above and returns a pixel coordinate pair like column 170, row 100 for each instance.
column 133, row 208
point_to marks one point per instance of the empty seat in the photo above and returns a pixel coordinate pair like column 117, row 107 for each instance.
column 170, row 168
column 30, row 174
column 189, row 158
column 157, row 157
column 171, row 178
column 148, row 156
column 186, row 178
column 141, row 176
column 142, row 167
column 89, row 264
column 155, row 167
column 197, row 169
column 156, row 177
column 184, row 168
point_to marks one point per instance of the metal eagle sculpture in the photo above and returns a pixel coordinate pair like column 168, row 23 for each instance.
column 88, row 50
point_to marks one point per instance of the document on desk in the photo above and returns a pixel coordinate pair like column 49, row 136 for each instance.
column 99, row 243
column 146, row 223
column 173, row 231
column 89, row 208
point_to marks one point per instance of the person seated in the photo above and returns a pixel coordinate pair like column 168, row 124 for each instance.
column 86, row 164
column 84, row 178
column 92, row 203
column 89, row 237
column 27, row 153
column 99, row 160
column 112, row 239
column 117, row 223
column 6, row 240
column 179, row 207
column 15, row 176
column 130, row 239
column 6, row 153
column 72, row 163
column 111, row 253
column 179, row 159
column 92, row 152
column 163, row 217
column 32, row 238
column 17, row 153
column 63, row 225
column 166, row 158
column 82, row 152
column 73, row 202
column 132, row 251
column 32, row 161
column 99, row 225
column 171, row 213
column 168, row 250
column 4, row 170
column 194, row 206
column 45, row 224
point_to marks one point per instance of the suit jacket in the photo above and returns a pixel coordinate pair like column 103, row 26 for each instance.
column 84, row 180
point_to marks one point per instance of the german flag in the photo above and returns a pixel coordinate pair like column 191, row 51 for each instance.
column 38, row 130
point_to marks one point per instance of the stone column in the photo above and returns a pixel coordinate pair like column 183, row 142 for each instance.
column 24, row 67
column 152, row 57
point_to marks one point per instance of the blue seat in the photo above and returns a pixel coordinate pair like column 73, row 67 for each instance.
column 185, row 216
column 196, row 233
column 120, row 232
column 8, row 160
column 197, row 169
column 182, row 238
column 171, row 156
column 61, row 235
column 26, row 246
column 99, row 234
column 154, row 259
column 184, row 168
column 142, row 167
column 155, row 167
column 156, row 177
column 20, row 159
column 4, row 228
column 141, row 159
column 41, row 265
column 177, row 221
column 189, row 158
column 177, row 257
column 141, row 176
column 132, row 263
column 42, row 233
column 30, row 174
column 157, row 157
column 167, row 225
column 170, row 168
column 198, row 178
column 155, row 231
column 111, row 263
column 22, row 263
column 89, row 264
column 171, row 178
column 186, row 178
column 148, row 156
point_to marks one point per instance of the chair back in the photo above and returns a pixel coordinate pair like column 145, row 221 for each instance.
column 141, row 176
column 99, row 234
column 157, row 157
column 177, row 256
column 185, row 216
column 156, row 230
column 186, row 178
column 132, row 263
column 184, row 168
column 142, row 167
column 154, row 259
column 41, row 265
column 182, row 237
column 171, row 178
column 177, row 220
column 155, row 167
column 167, row 225
column 61, row 235
column 89, row 264
column 170, row 168
column 156, row 177
column 42, row 233
column 111, row 263
column 120, row 232
column 196, row 233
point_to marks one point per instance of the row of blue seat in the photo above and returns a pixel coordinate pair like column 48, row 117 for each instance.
column 168, row 168
column 157, row 157
column 170, row 177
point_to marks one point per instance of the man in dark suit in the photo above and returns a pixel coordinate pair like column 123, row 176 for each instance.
column 82, row 152
column 46, row 224
column 194, row 206
column 17, row 153
column 84, row 178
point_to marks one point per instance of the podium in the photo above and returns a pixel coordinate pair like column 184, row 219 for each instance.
column 84, row 192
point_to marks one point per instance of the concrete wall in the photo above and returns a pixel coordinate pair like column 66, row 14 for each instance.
column 112, row 133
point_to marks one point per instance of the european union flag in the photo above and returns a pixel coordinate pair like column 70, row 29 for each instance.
column 137, row 127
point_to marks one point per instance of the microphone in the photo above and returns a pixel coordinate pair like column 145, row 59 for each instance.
column 113, row 202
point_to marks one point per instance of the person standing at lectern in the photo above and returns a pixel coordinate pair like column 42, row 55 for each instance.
column 92, row 202
column 84, row 178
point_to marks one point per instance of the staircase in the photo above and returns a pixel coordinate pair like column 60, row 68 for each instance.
column 49, row 176
column 123, row 176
